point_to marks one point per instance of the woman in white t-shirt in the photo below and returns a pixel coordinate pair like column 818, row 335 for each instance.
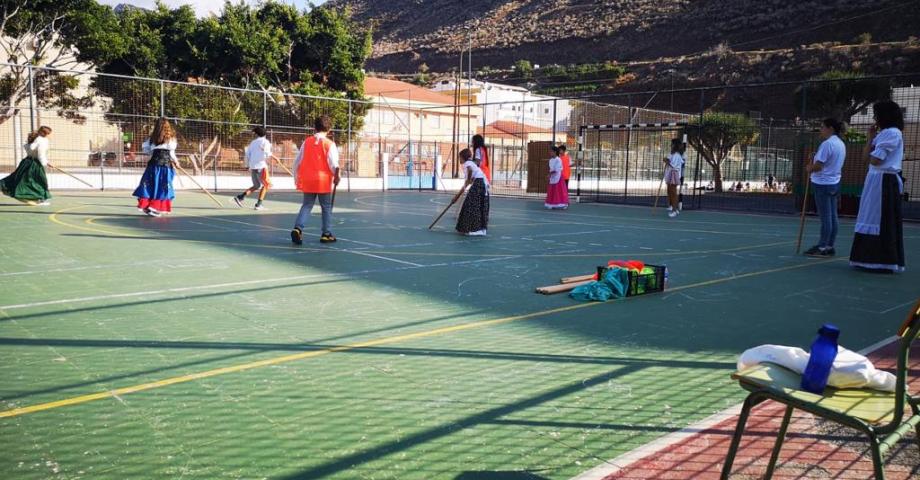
column 674, row 163
column 825, row 170
column 29, row 183
column 474, row 214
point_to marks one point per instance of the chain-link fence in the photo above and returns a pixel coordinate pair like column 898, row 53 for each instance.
column 746, row 145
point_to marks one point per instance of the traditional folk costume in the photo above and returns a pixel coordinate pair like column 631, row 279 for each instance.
column 879, row 240
column 29, row 183
column 314, row 172
column 474, row 214
column 482, row 155
column 155, row 192
column 557, row 194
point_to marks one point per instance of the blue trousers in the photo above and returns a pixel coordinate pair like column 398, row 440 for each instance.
column 325, row 202
column 826, row 203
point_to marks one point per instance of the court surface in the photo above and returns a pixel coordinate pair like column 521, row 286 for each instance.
column 204, row 345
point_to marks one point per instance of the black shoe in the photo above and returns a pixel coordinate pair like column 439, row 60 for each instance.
column 327, row 238
column 813, row 251
column 239, row 200
column 297, row 236
column 827, row 252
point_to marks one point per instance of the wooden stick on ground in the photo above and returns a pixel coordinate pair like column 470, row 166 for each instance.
column 565, row 287
column 71, row 176
column 198, row 184
column 798, row 243
column 451, row 204
column 579, row 278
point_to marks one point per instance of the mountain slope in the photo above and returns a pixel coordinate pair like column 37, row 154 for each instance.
column 409, row 32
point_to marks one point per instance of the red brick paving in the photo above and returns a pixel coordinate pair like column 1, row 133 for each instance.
column 806, row 453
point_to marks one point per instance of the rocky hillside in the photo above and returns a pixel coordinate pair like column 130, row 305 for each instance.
column 410, row 32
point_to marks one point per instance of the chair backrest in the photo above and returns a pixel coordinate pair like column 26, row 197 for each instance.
column 909, row 332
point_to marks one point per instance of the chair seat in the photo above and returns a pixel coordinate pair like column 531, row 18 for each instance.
column 870, row 406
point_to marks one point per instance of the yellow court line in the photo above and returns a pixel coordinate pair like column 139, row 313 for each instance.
column 54, row 218
column 370, row 343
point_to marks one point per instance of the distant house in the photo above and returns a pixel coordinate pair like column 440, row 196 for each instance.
column 408, row 122
column 512, row 103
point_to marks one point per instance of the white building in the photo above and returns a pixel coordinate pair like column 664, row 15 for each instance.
column 907, row 97
column 509, row 103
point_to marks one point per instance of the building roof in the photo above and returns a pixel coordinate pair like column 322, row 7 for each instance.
column 511, row 129
column 374, row 86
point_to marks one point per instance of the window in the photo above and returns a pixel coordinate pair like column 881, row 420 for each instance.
column 388, row 118
column 546, row 111
column 864, row 111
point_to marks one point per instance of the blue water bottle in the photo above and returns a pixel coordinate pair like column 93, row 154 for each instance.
column 823, row 352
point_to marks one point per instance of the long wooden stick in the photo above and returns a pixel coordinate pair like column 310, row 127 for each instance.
column 198, row 184
column 452, row 202
column 334, row 188
column 798, row 243
column 282, row 166
column 658, row 194
column 565, row 287
column 579, row 278
column 72, row 176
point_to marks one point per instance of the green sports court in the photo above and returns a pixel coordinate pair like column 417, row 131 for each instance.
column 205, row 345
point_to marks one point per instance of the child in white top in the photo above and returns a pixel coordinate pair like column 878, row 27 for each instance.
column 29, row 182
column 258, row 153
column 474, row 214
column 673, row 165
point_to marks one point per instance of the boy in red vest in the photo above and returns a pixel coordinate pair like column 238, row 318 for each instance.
column 316, row 170
column 566, row 164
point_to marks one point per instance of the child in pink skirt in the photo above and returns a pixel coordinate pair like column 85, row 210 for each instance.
column 557, row 194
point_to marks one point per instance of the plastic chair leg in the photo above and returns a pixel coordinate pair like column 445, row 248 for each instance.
column 877, row 464
column 779, row 443
column 749, row 403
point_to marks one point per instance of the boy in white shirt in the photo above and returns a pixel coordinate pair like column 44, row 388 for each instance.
column 258, row 153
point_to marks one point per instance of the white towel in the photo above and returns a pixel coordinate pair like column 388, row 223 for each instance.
column 850, row 370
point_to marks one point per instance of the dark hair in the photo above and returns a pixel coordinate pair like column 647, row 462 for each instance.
column 323, row 123
column 478, row 141
column 259, row 131
column 466, row 154
column 834, row 124
column 162, row 132
column 563, row 148
column 42, row 131
column 888, row 114
column 555, row 149
column 677, row 146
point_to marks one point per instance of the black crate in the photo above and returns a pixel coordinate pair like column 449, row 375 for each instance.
column 641, row 284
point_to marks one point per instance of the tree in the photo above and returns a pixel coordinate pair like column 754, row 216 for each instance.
column 716, row 135
column 524, row 69
column 841, row 94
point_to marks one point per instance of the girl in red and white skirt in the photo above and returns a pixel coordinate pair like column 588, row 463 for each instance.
column 557, row 194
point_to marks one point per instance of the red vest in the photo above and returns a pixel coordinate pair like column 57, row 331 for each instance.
column 566, row 166
column 313, row 173
column 484, row 165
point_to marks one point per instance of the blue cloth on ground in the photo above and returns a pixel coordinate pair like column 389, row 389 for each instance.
column 614, row 284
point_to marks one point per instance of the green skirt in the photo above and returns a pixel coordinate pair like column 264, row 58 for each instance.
column 27, row 182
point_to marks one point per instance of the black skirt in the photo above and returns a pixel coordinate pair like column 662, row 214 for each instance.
column 474, row 215
column 884, row 251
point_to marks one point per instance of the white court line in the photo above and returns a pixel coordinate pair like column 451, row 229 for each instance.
column 381, row 257
column 92, row 267
column 617, row 464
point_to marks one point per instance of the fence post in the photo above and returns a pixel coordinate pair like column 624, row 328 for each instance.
column 349, row 158
column 31, row 99
column 162, row 99
column 265, row 110
column 697, row 177
column 102, row 171
column 554, row 120
column 629, row 115
column 214, row 164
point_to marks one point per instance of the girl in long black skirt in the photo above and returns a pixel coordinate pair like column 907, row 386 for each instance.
column 474, row 215
column 879, row 240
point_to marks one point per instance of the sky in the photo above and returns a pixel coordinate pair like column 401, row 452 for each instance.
column 202, row 7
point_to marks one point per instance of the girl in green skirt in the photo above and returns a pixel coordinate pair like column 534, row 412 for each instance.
column 28, row 183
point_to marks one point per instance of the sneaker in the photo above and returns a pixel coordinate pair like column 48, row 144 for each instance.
column 297, row 236
column 478, row 233
column 673, row 213
column 827, row 252
column 43, row 203
column 239, row 200
column 152, row 212
column 259, row 206
column 813, row 251
column 327, row 237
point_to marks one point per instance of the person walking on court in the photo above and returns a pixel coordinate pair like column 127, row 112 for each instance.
column 29, row 182
column 155, row 192
column 557, row 195
column 316, row 170
column 474, row 214
column 673, row 165
column 481, row 156
column 258, row 153
column 825, row 170
column 879, row 241
column 567, row 164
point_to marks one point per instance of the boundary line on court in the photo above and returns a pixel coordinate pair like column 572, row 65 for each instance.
column 615, row 465
column 370, row 343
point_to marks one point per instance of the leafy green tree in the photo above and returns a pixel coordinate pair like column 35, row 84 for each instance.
column 524, row 68
column 841, row 94
column 716, row 135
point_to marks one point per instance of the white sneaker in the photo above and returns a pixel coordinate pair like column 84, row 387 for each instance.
column 259, row 206
column 152, row 212
column 673, row 213
column 670, row 208
column 43, row 203
column 477, row 233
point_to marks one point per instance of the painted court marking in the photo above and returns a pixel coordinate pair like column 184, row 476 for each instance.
column 344, row 348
